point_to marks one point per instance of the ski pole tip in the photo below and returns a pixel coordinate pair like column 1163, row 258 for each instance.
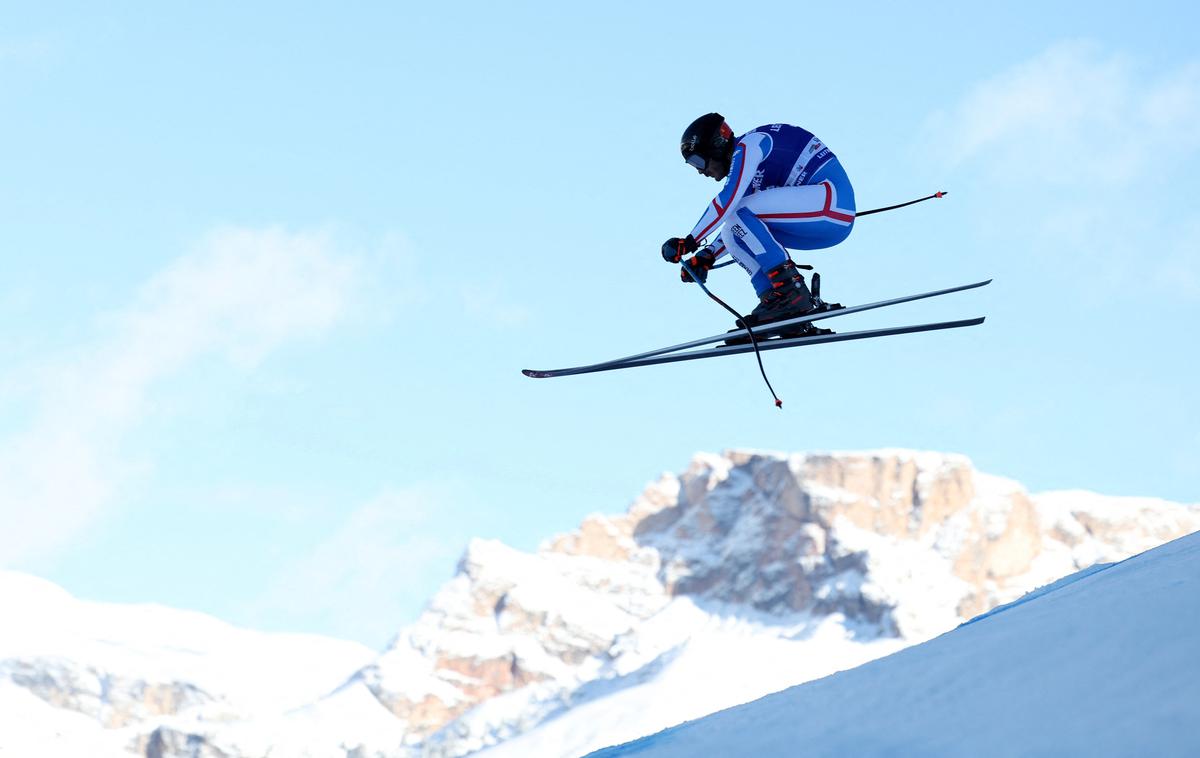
column 778, row 403
column 940, row 194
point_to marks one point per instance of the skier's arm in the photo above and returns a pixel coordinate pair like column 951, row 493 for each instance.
column 749, row 153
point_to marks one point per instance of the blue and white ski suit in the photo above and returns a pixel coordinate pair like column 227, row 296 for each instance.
column 785, row 189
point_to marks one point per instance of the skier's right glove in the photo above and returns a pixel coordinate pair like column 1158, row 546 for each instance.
column 702, row 262
column 675, row 248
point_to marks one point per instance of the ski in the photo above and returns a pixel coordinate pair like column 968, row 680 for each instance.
column 770, row 344
column 772, row 327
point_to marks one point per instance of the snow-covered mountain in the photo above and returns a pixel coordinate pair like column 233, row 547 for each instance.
column 749, row 573
column 1101, row 663
column 83, row 678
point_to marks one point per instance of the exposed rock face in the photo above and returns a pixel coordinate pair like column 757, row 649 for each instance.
column 165, row 741
column 112, row 699
column 823, row 560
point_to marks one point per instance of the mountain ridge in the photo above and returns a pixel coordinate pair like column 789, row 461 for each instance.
column 786, row 565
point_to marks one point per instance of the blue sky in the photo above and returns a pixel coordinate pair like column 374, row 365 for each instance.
column 270, row 273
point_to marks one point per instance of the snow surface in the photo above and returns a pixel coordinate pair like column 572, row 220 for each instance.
column 1105, row 662
column 43, row 730
column 722, row 660
column 249, row 673
column 342, row 724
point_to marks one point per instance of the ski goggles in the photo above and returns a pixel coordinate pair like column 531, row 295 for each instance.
column 697, row 161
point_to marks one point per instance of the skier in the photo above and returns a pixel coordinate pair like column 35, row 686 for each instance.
column 784, row 189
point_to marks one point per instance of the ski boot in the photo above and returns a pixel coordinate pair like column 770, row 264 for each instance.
column 788, row 297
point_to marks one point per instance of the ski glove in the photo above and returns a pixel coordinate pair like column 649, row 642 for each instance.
column 702, row 262
column 675, row 248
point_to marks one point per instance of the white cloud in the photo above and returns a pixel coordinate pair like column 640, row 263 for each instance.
column 239, row 295
column 365, row 578
column 1074, row 114
column 1087, row 161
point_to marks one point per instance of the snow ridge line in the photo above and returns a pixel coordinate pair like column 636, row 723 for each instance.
column 1066, row 581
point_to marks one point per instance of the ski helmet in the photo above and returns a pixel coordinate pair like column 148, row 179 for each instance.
column 706, row 138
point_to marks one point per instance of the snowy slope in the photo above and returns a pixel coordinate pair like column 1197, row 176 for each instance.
column 721, row 660
column 91, row 673
column 1103, row 663
column 30, row 726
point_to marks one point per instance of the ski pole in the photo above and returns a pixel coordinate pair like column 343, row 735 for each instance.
column 740, row 320
column 938, row 194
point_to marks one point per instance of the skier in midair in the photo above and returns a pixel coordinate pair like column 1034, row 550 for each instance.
column 784, row 189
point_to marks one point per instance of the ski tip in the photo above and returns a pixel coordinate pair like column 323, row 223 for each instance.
column 534, row 374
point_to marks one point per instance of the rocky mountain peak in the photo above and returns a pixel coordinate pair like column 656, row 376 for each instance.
column 789, row 566
column 766, row 529
column 895, row 543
